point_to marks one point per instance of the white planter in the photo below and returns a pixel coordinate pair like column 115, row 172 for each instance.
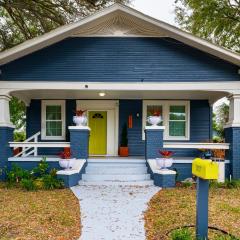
column 154, row 120
column 80, row 120
column 164, row 163
column 67, row 163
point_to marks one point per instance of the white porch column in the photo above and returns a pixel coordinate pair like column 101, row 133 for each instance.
column 234, row 111
column 5, row 111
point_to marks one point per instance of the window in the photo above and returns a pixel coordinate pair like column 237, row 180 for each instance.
column 175, row 116
column 53, row 120
column 177, row 121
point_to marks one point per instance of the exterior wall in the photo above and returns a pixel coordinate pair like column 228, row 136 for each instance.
column 200, row 126
column 120, row 60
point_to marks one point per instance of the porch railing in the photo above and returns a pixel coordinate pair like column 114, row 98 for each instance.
column 30, row 146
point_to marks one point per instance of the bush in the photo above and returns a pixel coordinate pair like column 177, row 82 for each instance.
column 42, row 168
column 181, row 234
column 51, row 182
column 19, row 136
column 28, row 184
column 38, row 178
column 16, row 175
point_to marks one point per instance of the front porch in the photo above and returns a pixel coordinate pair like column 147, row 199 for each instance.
column 184, row 139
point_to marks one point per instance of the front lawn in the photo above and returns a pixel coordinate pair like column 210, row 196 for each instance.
column 40, row 215
column 170, row 209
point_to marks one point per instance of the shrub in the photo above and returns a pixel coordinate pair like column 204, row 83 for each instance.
column 51, row 182
column 181, row 234
column 17, row 174
column 42, row 168
column 28, row 184
column 38, row 178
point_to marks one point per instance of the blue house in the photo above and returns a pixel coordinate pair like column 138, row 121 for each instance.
column 120, row 66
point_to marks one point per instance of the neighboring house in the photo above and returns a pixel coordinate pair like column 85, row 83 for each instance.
column 119, row 64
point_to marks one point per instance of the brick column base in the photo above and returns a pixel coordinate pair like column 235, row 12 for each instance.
column 79, row 141
column 232, row 136
column 6, row 136
column 153, row 141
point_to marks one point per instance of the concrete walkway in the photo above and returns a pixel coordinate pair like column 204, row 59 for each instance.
column 113, row 212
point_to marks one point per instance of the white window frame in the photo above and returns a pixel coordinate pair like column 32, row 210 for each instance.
column 166, row 108
column 46, row 103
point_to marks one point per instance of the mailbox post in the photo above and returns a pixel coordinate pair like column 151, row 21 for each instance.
column 205, row 170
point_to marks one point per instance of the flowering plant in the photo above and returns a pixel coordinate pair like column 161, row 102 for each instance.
column 79, row 113
column 156, row 113
column 65, row 155
column 166, row 154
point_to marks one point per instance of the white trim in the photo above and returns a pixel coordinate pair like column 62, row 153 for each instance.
column 165, row 108
column 116, row 9
column 5, row 112
column 33, row 159
column 154, row 127
column 79, row 128
column 77, row 167
column 112, row 109
column 197, row 145
column 228, row 86
column 46, row 103
column 39, row 144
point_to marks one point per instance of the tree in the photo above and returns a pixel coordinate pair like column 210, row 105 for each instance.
column 21, row 20
column 220, row 118
column 215, row 20
column 18, row 113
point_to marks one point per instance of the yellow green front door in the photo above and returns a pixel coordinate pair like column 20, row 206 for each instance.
column 98, row 136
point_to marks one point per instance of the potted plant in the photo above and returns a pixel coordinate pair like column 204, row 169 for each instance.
column 80, row 119
column 123, row 151
column 66, row 161
column 155, row 118
column 166, row 161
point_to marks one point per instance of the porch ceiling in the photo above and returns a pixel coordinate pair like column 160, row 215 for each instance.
column 27, row 95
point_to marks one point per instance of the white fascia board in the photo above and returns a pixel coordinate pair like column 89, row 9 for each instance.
column 67, row 30
column 231, row 87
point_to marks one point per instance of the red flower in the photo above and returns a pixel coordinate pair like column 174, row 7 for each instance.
column 156, row 113
column 79, row 113
column 65, row 155
column 166, row 154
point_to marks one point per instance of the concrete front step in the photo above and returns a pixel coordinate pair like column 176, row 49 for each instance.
column 114, row 170
column 115, row 177
column 116, row 183
column 116, row 160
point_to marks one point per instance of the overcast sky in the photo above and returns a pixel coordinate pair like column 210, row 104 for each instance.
column 160, row 9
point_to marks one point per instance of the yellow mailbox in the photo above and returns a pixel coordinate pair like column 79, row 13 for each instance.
column 205, row 169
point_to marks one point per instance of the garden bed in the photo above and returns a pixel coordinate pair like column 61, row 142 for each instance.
column 38, row 215
column 171, row 209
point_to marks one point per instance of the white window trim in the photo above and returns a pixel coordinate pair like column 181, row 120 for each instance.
column 46, row 103
column 165, row 109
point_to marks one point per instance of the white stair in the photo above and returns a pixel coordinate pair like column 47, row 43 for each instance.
column 116, row 171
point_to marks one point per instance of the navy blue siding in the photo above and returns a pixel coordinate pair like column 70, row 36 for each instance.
column 134, row 108
column 232, row 136
column 6, row 136
column 120, row 60
column 200, row 126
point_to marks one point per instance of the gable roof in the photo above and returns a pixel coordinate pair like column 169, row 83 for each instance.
column 151, row 27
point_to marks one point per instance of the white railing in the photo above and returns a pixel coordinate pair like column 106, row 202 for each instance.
column 193, row 145
column 30, row 146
